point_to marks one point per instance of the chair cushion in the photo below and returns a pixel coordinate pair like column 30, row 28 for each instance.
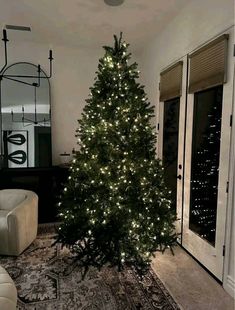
column 9, row 198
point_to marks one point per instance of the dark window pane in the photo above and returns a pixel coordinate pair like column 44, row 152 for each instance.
column 205, row 162
column 170, row 145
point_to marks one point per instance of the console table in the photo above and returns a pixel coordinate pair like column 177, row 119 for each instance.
column 47, row 183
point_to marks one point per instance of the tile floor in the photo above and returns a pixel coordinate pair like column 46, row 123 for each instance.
column 191, row 286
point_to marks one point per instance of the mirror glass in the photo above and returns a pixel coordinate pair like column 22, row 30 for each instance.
column 25, row 117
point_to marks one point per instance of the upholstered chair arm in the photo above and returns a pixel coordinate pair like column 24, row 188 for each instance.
column 22, row 221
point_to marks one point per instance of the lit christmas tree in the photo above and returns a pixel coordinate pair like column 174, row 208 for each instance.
column 115, row 207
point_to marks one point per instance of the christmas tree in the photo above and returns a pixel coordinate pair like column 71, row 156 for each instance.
column 115, row 207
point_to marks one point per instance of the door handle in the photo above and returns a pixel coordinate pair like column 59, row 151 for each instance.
column 179, row 177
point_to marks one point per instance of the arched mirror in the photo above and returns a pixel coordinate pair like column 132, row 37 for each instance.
column 25, row 117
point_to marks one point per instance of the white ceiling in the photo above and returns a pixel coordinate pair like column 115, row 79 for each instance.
column 88, row 23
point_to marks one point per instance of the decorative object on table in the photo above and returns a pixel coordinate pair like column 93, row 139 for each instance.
column 47, row 277
column 115, row 206
column 65, row 158
column 25, row 101
column 19, row 220
column 15, row 148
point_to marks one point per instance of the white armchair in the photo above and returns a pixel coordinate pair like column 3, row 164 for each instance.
column 18, row 220
column 8, row 293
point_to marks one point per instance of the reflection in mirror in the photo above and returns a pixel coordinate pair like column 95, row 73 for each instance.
column 26, row 123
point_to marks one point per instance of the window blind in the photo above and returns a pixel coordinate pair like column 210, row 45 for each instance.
column 171, row 82
column 208, row 65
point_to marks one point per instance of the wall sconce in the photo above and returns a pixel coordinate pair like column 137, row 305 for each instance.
column 13, row 77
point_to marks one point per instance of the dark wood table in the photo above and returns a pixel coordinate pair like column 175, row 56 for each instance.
column 47, row 183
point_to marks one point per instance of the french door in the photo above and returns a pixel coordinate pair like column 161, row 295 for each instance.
column 205, row 178
column 170, row 147
column 194, row 142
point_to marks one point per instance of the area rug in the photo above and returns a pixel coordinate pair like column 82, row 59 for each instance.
column 47, row 278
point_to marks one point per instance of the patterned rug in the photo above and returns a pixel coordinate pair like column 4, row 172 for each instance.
column 47, row 278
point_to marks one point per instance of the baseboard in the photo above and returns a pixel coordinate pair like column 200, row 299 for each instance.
column 229, row 286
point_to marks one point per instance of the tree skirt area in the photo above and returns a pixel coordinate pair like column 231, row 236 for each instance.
column 47, row 277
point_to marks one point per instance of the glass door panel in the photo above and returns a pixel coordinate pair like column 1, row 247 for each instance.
column 170, row 145
column 205, row 162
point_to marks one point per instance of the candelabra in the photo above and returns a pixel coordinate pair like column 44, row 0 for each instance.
column 18, row 78
column 35, row 120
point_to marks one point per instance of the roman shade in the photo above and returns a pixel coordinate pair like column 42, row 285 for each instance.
column 208, row 65
column 171, row 82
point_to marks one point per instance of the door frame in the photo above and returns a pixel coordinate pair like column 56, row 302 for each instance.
column 229, row 269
